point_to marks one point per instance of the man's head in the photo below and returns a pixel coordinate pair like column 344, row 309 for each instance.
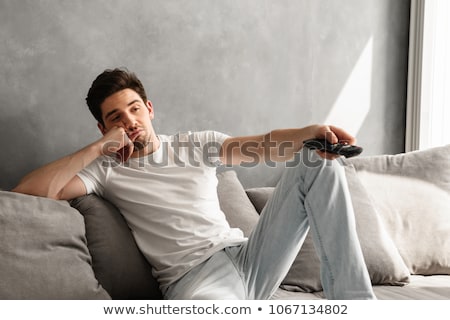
column 117, row 99
column 108, row 83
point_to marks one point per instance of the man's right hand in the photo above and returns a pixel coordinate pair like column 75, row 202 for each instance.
column 116, row 142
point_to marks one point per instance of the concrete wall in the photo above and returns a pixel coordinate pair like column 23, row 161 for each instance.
column 238, row 66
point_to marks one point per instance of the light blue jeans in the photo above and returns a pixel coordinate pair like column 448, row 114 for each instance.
column 312, row 195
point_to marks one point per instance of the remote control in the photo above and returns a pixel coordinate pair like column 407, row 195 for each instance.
column 342, row 149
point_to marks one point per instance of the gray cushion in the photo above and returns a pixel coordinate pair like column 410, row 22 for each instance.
column 411, row 193
column 259, row 196
column 43, row 251
column 383, row 260
column 117, row 262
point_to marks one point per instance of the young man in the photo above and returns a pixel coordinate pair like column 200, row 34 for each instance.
column 165, row 186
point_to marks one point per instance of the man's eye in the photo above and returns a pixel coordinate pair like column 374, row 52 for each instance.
column 136, row 108
column 115, row 118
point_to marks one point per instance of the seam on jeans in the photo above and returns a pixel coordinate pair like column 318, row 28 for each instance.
column 240, row 273
column 323, row 255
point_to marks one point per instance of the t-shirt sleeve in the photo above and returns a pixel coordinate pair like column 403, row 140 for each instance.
column 93, row 177
column 211, row 142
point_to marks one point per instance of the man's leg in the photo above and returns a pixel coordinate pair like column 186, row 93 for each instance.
column 312, row 195
column 215, row 279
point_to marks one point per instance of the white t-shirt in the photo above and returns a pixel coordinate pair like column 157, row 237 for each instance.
column 169, row 200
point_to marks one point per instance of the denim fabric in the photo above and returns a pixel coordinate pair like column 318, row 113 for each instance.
column 312, row 195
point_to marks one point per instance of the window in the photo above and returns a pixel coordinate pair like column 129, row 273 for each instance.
column 428, row 109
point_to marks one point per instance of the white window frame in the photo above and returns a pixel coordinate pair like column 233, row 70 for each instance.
column 428, row 101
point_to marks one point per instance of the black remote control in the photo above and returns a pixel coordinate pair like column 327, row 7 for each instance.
column 342, row 149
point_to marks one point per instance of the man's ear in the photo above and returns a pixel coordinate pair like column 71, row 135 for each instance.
column 150, row 109
column 101, row 128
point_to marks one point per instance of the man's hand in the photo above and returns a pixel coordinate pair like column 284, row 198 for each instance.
column 116, row 142
column 333, row 135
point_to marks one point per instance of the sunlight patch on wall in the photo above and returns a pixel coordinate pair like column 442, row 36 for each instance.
column 353, row 103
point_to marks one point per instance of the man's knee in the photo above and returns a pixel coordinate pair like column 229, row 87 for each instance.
column 308, row 165
column 306, row 159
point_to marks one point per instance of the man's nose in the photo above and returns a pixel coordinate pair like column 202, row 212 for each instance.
column 129, row 121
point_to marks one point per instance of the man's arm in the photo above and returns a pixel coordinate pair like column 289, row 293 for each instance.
column 59, row 180
column 278, row 145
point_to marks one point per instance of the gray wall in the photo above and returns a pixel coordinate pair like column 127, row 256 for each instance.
column 238, row 66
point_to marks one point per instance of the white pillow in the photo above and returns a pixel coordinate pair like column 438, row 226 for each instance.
column 411, row 192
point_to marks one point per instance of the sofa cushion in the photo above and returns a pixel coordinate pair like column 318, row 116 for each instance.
column 383, row 260
column 382, row 257
column 431, row 165
column 259, row 196
column 118, row 264
column 411, row 192
column 43, row 251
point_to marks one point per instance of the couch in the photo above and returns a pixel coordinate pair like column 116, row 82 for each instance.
column 83, row 249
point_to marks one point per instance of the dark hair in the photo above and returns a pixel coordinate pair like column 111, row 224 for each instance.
column 109, row 82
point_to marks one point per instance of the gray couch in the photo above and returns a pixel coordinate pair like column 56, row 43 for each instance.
column 84, row 249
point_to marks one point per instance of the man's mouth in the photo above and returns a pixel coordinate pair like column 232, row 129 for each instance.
column 133, row 135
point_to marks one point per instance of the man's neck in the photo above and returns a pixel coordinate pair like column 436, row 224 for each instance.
column 152, row 146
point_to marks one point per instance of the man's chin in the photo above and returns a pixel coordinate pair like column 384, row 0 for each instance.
column 140, row 145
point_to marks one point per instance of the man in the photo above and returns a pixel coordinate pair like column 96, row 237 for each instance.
column 165, row 186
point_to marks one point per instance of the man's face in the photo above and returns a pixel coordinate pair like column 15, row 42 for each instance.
column 126, row 109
